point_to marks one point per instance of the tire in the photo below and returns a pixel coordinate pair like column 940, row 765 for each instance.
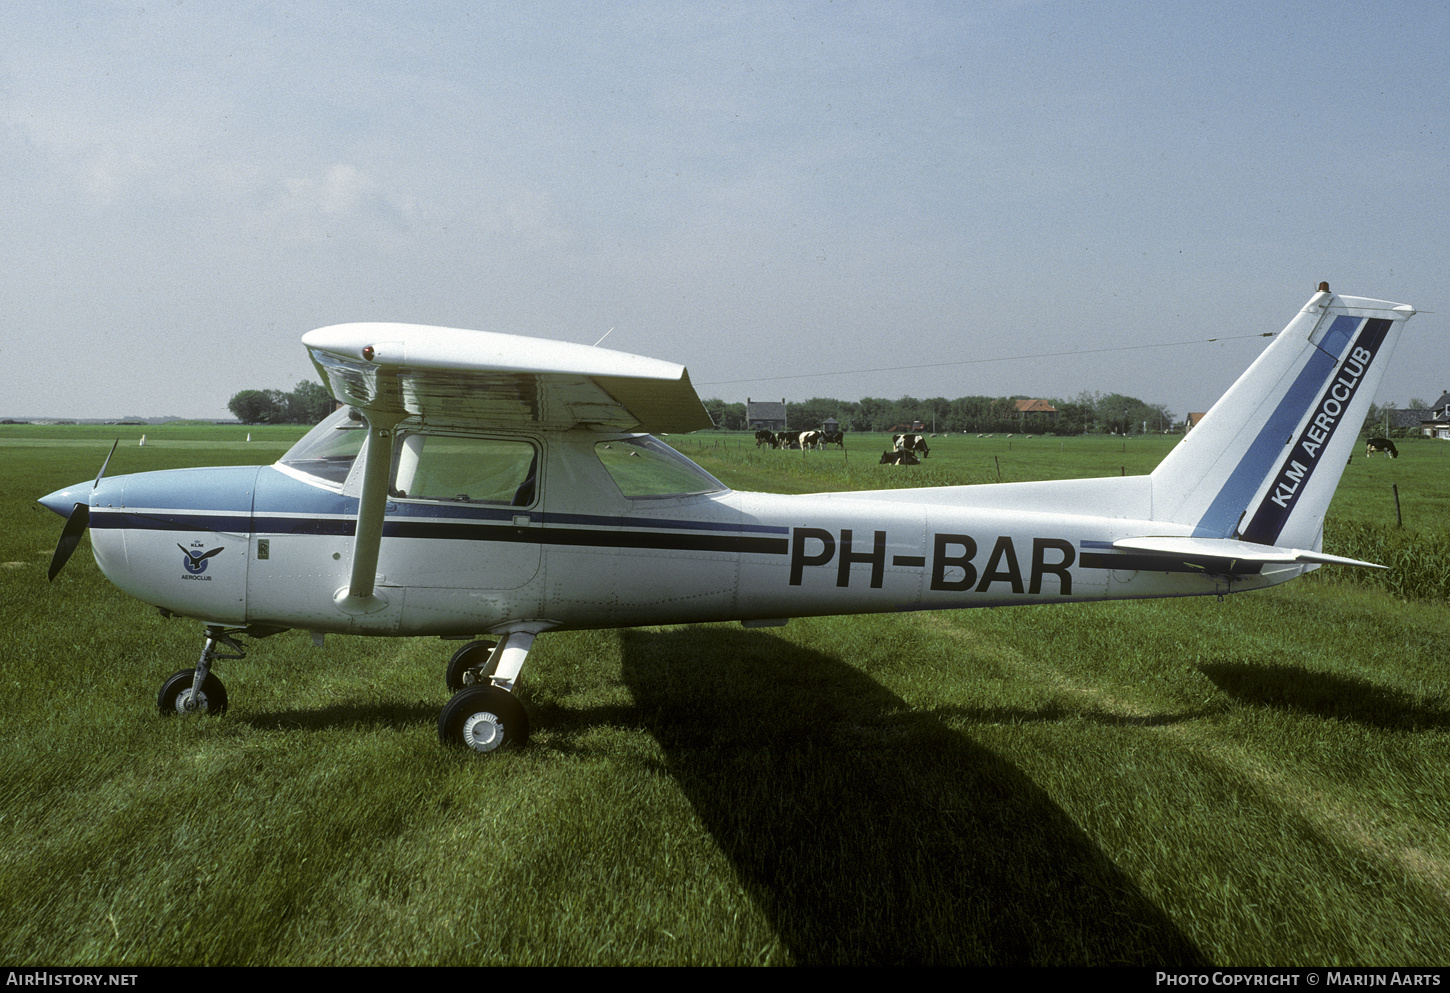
column 484, row 719
column 473, row 655
column 177, row 690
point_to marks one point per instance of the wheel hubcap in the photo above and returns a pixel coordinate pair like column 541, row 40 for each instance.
column 189, row 703
column 483, row 732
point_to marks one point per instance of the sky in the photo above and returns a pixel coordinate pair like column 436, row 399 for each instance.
column 793, row 200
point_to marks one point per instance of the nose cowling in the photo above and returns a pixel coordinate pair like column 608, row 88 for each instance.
column 177, row 539
column 63, row 500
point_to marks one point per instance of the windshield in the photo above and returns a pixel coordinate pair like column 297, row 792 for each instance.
column 328, row 450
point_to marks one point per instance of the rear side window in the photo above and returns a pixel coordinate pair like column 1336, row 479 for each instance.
column 464, row 470
column 646, row 467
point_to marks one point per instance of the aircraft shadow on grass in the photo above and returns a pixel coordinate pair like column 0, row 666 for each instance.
column 871, row 834
column 1320, row 694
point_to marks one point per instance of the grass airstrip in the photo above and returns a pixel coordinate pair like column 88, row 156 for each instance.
column 1256, row 781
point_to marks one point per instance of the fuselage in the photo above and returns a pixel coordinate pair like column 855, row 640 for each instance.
column 583, row 529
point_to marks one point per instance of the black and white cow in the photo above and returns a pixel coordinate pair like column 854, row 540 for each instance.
column 837, row 438
column 899, row 457
column 910, row 443
column 764, row 437
column 1381, row 445
column 811, row 439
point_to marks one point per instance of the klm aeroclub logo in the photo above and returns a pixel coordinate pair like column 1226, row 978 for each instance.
column 195, row 562
column 1299, row 465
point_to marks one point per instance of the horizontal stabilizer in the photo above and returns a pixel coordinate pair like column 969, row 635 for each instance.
column 1246, row 552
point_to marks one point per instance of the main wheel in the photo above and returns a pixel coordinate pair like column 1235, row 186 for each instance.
column 175, row 695
column 483, row 718
column 472, row 656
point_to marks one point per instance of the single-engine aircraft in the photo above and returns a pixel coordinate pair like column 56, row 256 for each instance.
column 492, row 486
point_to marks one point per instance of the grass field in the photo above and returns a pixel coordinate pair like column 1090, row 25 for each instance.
column 1255, row 781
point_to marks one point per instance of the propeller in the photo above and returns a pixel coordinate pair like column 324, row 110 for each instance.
column 75, row 524
column 70, row 536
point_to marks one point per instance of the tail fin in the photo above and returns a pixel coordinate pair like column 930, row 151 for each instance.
column 1262, row 465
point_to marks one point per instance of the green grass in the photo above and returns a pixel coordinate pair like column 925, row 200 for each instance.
column 1255, row 781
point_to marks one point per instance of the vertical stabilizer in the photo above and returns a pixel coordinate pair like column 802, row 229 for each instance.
column 1262, row 465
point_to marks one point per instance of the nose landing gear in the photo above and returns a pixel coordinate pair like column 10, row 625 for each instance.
column 197, row 691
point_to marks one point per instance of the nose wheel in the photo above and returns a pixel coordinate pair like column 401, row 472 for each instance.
column 178, row 695
column 197, row 691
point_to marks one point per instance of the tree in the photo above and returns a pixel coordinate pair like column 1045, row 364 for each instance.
column 1072, row 417
column 252, row 407
column 307, row 404
column 811, row 414
column 727, row 416
column 1120, row 414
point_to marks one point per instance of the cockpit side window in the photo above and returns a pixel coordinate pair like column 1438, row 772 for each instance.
column 460, row 469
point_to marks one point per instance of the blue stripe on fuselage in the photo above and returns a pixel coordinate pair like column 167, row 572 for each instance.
column 639, row 534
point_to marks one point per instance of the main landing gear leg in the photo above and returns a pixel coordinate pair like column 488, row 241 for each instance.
column 197, row 691
column 487, row 716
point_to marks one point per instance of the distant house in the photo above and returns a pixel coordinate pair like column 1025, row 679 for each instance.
column 1409, row 420
column 1437, row 425
column 765, row 414
column 1428, row 422
column 1043, row 414
column 1193, row 420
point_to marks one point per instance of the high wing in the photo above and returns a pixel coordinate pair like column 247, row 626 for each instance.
column 485, row 379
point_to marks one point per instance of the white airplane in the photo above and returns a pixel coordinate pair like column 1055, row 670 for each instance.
column 480, row 484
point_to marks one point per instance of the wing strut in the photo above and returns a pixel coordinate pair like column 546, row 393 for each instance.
column 360, row 596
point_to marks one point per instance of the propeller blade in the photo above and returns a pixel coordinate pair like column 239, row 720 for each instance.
column 105, row 463
column 70, row 537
